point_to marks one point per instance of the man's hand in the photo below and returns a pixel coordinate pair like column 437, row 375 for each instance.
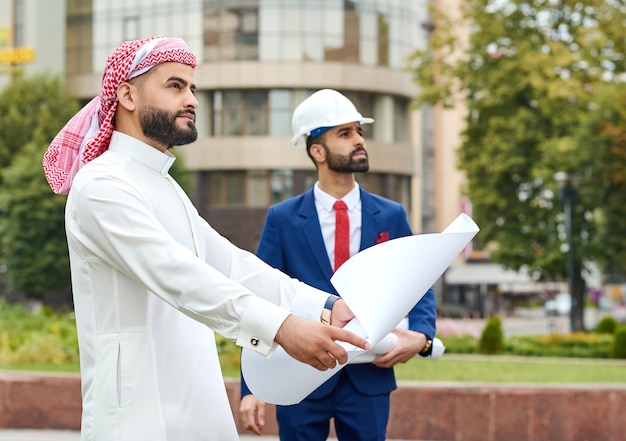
column 341, row 314
column 314, row 343
column 252, row 413
column 410, row 343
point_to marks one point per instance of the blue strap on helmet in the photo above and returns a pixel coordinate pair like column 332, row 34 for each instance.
column 320, row 131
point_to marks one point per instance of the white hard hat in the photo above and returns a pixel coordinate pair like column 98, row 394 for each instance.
column 324, row 108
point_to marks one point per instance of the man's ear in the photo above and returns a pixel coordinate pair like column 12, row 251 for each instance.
column 317, row 152
column 126, row 96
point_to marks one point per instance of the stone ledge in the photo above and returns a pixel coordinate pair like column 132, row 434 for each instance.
column 31, row 400
column 419, row 411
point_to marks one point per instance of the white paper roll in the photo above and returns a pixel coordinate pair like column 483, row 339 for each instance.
column 389, row 341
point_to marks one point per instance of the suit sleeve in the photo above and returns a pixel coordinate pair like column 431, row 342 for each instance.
column 244, row 387
column 423, row 315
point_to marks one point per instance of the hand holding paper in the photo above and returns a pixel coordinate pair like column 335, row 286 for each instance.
column 405, row 268
column 390, row 340
column 320, row 346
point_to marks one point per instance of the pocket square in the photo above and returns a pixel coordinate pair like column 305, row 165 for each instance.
column 382, row 237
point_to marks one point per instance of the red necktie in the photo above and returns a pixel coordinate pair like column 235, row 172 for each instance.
column 342, row 233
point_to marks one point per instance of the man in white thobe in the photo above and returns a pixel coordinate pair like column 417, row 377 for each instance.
column 151, row 279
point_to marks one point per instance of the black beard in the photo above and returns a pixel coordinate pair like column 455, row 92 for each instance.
column 346, row 164
column 160, row 126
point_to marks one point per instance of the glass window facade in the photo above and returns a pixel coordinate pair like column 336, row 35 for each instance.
column 395, row 187
column 224, row 188
column 280, row 109
column 18, row 23
column 428, row 170
column 369, row 32
column 281, row 185
column 239, row 113
column 268, row 112
column 114, row 21
column 261, row 188
column 231, row 30
column 79, row 37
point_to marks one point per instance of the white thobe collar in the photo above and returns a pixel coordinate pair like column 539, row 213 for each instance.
column 142, row 152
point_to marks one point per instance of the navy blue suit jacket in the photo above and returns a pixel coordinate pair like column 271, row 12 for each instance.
column 292, row 242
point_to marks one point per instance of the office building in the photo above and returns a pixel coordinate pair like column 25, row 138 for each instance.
column 257, row 60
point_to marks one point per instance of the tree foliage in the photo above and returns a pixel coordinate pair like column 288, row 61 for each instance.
column 603, row 131
column 32, row 233
column 32, row 109
column 534, row 76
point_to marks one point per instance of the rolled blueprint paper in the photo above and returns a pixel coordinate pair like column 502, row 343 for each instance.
column 403, row 268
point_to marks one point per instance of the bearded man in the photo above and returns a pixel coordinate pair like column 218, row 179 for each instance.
column 151, row 279
column 309, row 237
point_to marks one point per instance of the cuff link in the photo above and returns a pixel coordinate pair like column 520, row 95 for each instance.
column 254, row 341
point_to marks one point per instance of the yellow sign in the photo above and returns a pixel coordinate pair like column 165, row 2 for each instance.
column 17, row 55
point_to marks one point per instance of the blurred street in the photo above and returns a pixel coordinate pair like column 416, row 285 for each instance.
column 522, row 322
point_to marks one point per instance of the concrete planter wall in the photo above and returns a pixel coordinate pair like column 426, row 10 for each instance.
column 419, row 411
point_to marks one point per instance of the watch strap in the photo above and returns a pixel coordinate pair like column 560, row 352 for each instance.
column 328, row 307
column 426, row 349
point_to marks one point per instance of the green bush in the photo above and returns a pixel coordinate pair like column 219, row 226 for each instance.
column 42, row 337
column 46, row 339
column 460, row 344
column 578, row 345
column 229, row 352
column 618, row 350
column 492, row 338
column 607, row 325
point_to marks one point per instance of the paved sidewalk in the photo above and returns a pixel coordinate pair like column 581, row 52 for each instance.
column 38, row 435
column 65, row 435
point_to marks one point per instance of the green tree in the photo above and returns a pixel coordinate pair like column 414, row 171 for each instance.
column 32, row 234
column 179, row 171
column 529, row 75
column 32, row 109
column 604, row 132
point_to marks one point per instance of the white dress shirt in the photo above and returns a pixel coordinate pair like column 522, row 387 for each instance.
column 151, row 281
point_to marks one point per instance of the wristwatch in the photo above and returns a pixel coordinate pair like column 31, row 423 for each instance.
column 426, row 347
column 328, row 307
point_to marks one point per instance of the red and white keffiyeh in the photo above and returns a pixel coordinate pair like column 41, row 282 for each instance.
column 87, row 135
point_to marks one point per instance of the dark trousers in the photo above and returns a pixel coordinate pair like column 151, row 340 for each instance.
column 357, row 417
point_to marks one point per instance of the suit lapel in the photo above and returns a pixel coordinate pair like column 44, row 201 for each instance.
column 370, row 225
column 313, row 233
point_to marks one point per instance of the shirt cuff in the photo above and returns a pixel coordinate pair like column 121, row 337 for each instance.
column 259, row 326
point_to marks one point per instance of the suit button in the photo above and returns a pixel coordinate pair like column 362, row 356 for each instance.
column 254, row 341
